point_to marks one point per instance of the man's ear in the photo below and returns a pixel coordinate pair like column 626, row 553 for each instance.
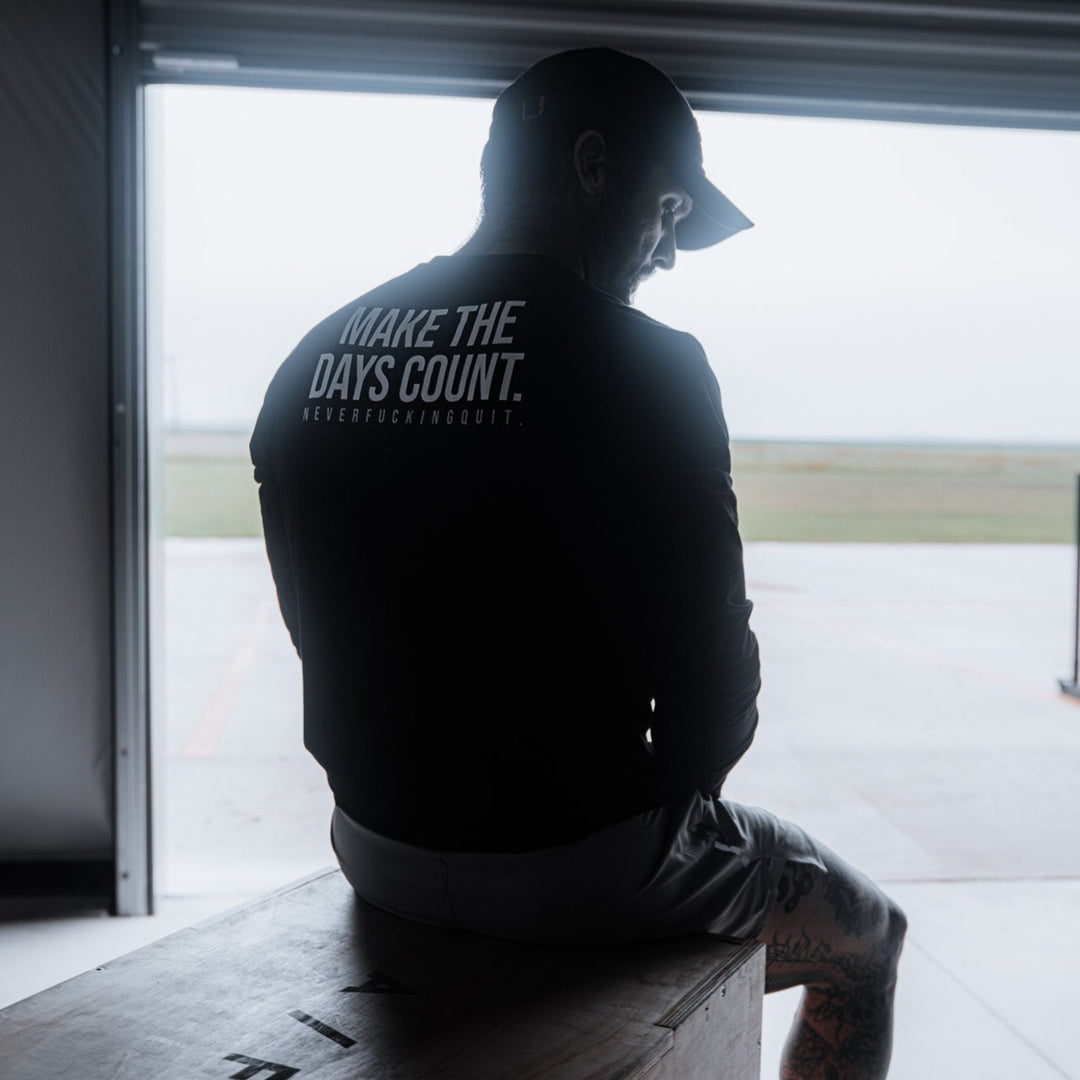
column 591, row 162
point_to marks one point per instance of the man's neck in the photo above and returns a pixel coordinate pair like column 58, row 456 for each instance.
column 555, row 239
column 557, row 236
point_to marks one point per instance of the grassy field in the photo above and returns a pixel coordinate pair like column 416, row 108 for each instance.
column 906, row 494
column 787, row 491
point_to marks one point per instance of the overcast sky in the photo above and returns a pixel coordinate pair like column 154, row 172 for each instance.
column 902, row 282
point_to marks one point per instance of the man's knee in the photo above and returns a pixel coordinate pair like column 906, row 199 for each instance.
column 896, row 927
column 882, row 933
column 833, row 926
column 874, row 956
column 840, row 906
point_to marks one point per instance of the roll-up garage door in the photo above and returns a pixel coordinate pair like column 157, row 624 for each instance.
column 991, row 63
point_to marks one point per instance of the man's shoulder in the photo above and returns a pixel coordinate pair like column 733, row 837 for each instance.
column 680, row 340
column 410, row 281
column 642, row 342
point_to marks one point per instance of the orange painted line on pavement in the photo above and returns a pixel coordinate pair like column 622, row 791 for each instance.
column 204, row 739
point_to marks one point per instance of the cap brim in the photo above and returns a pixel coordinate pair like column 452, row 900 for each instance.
column 714, row 217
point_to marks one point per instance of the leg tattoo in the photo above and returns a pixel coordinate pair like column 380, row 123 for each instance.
column 843, row 945
column 795, row 883
column 854, row 912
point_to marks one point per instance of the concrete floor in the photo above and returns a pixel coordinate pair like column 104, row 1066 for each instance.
column 910, row 720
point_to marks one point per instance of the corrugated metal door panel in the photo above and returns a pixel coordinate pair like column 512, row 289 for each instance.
column 56, row 761
column 989, row 62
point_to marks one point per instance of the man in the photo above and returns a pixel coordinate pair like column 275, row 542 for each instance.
column 498, row 508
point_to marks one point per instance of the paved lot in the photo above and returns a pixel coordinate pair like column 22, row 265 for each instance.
column 910, row 719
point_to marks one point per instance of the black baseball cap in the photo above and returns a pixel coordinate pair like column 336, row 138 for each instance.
column 632, row 103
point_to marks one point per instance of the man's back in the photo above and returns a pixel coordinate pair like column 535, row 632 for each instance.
column 499, row 513
column 497, row 503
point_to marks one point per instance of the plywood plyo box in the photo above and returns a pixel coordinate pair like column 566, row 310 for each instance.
column 311, row 982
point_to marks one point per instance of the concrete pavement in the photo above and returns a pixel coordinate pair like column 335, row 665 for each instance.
column 909, row 718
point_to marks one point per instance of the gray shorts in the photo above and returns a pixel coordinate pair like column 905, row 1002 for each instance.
column 698, row 865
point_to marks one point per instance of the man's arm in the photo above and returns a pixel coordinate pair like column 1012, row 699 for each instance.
column 273, row 518
column 706, row 668
column 707, row 673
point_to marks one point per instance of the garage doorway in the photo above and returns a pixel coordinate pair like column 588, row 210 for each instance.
column 880, row 317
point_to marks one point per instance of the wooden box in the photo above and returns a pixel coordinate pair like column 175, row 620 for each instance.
column 311, row 982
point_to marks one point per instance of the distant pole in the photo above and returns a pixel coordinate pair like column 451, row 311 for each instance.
column 1067, row 686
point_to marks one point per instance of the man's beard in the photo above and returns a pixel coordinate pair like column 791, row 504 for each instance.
column 609, row 254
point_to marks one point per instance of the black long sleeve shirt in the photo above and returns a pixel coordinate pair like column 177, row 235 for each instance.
column 499, row 514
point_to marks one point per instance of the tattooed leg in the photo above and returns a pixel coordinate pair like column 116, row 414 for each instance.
column 839, row 936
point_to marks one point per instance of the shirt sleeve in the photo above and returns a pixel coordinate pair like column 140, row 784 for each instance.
column 705, row 666
column 263, row 458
